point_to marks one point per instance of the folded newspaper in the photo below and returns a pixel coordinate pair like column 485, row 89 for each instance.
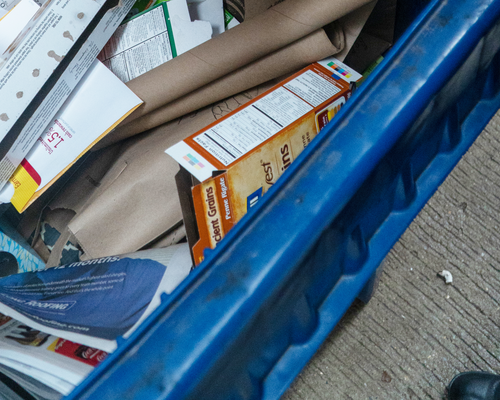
column 56, row 325
column 59, row 364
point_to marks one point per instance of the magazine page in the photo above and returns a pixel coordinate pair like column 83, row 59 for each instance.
column 43, row 356
column 33, row 386
column 94, row 302
column 51, row 381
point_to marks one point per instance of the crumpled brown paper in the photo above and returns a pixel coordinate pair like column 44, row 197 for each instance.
column 126, row 198
column 136, row 203
column 313, row 47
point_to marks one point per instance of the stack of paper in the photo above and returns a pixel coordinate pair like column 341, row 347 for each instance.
column 47, row 333
column 158, row 32
column 13, row 22
column 43, row 152
column 28, row 354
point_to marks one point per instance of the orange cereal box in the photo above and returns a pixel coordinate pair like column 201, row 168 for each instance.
column 230, row 164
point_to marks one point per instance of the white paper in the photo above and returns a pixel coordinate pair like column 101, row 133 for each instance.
column 14, row 22
column 189, row 34
column 76, row 126
column 81, row 121
column 208, row 10
column 64, row 85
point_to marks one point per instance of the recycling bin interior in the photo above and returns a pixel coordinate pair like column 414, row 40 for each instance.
column 245, row 322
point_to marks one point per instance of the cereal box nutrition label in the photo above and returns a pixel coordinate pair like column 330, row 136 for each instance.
column 248, row 128
column 245, row 130
column 312, row 88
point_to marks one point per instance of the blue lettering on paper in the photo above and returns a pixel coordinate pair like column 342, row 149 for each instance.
column 103, row 298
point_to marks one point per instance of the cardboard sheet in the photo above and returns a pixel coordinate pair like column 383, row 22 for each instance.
column 71, row 134
column 21, row 130
column 267, row 32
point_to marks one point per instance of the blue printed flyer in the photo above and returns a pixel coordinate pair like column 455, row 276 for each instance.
column 94, row 302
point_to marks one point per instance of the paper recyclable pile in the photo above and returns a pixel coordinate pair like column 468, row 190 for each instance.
column 71, row 133
column 92, row 93
column 57, row 100
column 108, row 194
column 43, row 65
column 47, row 330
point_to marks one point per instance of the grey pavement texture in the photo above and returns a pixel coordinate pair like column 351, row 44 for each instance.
column 417, row 332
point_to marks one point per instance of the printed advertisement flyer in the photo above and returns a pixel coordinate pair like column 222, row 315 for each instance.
column 94, row 302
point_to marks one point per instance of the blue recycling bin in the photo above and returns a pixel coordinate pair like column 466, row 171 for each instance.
column 245, row 322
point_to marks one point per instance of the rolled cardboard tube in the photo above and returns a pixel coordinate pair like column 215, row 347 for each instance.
column 266, row 33
column 313, row 47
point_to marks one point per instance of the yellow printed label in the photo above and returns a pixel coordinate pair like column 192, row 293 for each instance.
column 24, row 187
column 212, row 213
column 53, row 345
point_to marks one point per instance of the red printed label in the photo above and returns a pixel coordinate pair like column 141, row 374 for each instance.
column 85, row 354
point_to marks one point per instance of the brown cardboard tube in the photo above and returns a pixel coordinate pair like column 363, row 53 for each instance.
column 265, row 33
column 288, row 59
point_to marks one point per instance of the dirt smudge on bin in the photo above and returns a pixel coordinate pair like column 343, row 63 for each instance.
column 232, row 282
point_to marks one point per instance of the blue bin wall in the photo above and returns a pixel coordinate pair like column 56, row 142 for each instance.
column 244, row 324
